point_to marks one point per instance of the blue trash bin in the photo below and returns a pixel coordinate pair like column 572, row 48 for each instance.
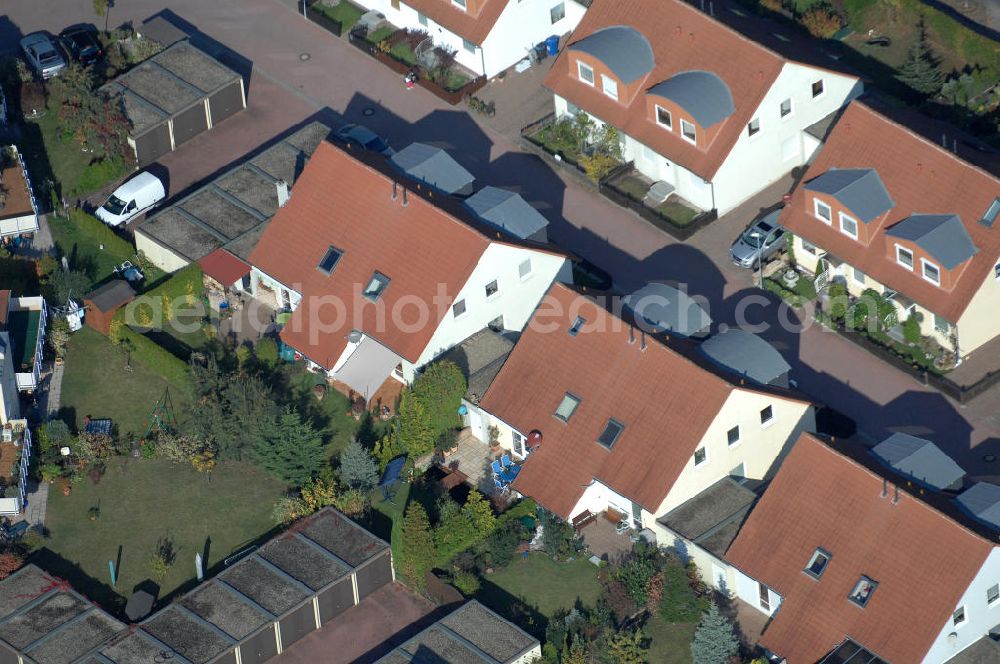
column 552, row 45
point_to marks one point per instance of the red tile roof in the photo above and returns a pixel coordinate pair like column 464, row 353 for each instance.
column 224, row 267
column 922, row 560
column 474, row 26
column 921, row 177
column 683, row 39
column 344, row 203
column 665, row 401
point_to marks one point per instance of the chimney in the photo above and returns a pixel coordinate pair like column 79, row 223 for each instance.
column 944, row 140
column 954, row 145
column 885, row 488
column 283, row 194
column 642, row 341
column 395, row 186
column 895, row 494
column 404, row 196
column 711, row 8
column 631, row 334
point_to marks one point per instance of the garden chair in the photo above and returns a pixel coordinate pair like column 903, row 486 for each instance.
column 505, row 461
column 497, row 468
column 498, row 483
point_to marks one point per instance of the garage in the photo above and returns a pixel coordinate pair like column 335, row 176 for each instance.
column 173, row 96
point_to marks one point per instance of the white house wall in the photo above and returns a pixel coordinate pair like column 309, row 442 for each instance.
column 159, row 255
column 521, row 25
column 748, row 590
column 516, row 300
column 980, row 617
column 758, row 449
column 757, row 161
column 9, row 405
column 598, row 497
column 16, row 225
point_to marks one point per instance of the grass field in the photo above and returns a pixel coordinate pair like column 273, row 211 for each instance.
column 141, row 501
column 670, row 643
column 95, row 383
column 544, row 584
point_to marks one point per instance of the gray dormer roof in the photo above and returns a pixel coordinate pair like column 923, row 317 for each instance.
column 623, row 49
column 943, row 236
column 434, row 166
column 666, row 309
column 982, row 500
column 508, row 211
column 748, row 355
column 701, row 93
column 860, row 190
column 920, row 459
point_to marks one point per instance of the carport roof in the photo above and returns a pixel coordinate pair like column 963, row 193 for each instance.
column 233, row 210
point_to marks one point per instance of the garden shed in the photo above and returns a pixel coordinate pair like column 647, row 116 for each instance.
column 102, row 304
column 269, row 599
column 173, row 96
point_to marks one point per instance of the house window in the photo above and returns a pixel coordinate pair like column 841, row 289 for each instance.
column 585, row 72
column 524, row 269
column 612, row 430
column 460, row 3
column 809, row 247
column 663, row 118
column 764, row 597
column 458, row 308
column 753, row 127
column 330, row 260
column 421, row 19
column 733, row 435
column 558, row 13
column 376, row 286
column 817, row 564
column 904, row 257
column 931, row 271
column 996, row 271
column 822, row 211
column 958, row 618
column 394, row 4
column 858, row 275
column 700, row 456
column 609, row 86
column 993, row 593
column 848, row 225
column 688, row 131
column 766, row 415
column 786, row 108
column 574, row 329
column 468, row 46
column 863, row 591
column 992, row 212
column 941, row 324
column 817, row 88
column 517, row 443
column 492, row 289
column 572, row 109
column 567, row 407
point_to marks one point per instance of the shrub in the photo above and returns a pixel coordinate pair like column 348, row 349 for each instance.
column 290, row 448
column 57, row 431
column 65, row 284
column 440, row 389
column 838, row 301
column 9, row 563
column 32, row 99
column 822, row 21
column 58, row 336
column 558, row 537
column 417, row 546
column 680, row 602
column 501, row 545
column 91, row 447
column 466, row 582
column 911, row 328
column 413, row 432
column 266, row 351
column 714, row 641
column 597, row 166
column 357, row 468
column 634, row 574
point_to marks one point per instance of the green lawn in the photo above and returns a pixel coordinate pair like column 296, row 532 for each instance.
column 333, row 412
column 142, row 500
column 543, row 584
column 95, row 383
column 670, row 642
column 344, row 13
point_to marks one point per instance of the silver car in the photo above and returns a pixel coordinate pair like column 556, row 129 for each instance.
column 760, row 241
column 43, row 54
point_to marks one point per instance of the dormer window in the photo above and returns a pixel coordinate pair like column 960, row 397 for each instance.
column 863, row 591
column 567, row 407
column 330, row 260
column 688, row 131
column 904, row 257
column 822, row 211
column 376, row 286
column 817, row 564
column 574, row 329
column 610, row 86
column 848, row 225
column 663, row 118
column 992, row 212
column 612, row 430
column 932, row 272
column 753, row 127
column 585, row 72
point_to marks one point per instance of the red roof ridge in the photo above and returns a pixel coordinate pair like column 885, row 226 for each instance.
column 962, row 162
column 734, row 31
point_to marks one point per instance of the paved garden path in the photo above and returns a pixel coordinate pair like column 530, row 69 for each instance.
column 37, row 498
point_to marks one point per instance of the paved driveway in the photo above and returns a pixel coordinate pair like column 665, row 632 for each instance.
column 339, row 82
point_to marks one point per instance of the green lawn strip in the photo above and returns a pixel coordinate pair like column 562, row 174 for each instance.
column 333, row 412
column 403, row 53
column 543, row 584
column 142, row 500
column 377, row 36
column 670, row 643
column 344, row 13
column 96, row 383
column 65, row 157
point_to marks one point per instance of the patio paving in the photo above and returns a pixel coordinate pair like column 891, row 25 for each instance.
column 980, row 363
column 472, row 459
column 520, row 99
column 748, row 621
column 604, row 541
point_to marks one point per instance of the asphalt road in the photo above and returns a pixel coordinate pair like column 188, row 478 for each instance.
column 301, row 72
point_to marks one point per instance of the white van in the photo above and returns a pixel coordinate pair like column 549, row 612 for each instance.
column 132, row 198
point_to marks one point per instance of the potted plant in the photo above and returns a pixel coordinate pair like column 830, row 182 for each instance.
column 494, row 432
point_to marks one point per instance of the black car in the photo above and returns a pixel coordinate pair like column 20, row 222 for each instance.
column 82, row 44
